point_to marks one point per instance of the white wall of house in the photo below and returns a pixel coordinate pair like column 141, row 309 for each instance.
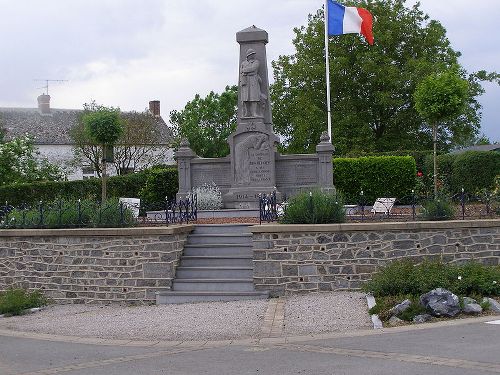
column 63, row 156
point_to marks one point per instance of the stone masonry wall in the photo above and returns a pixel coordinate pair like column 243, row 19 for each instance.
column 92, row 265
column 300, row 258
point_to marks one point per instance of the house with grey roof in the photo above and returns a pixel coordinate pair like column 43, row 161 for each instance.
column 51, row 129
column 495, row 148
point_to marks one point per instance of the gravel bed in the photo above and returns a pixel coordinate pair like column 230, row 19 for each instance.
column 304, row 314
column 326, row 312
column 200, row 321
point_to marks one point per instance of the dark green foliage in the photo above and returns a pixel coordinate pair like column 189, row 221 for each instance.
column 104, row 125
column 314, row 208
column 377, row 177
column 475, row 170
column 70, row 214
column 406, row 278
column 118, row 186
column 207, row 122
column 437, row 210
column 15, row 301
column 160, row 184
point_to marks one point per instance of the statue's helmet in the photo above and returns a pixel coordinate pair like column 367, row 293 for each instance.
column 250, row 52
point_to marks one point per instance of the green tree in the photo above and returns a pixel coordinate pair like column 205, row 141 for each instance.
column 372, row 86
column 104, row 127
column 140, row 145
column 440, row 97
column 20, row 163
column 207, row 122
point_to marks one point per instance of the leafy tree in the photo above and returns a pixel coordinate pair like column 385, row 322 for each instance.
column 440, row 97
column 140, row 145
column 20, row 163
column 372, row 86
column 104, row 127
column 207, row 122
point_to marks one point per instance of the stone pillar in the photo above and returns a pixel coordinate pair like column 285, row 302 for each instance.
column 184, row 155
column 325, row 151
column 44, row 104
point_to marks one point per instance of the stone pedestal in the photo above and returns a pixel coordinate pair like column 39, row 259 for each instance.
column 252, row 145
column 184, row 156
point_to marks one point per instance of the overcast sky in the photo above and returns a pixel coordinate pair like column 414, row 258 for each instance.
column 126, row 52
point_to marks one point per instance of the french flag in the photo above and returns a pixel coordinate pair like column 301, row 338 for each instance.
column 346, row 20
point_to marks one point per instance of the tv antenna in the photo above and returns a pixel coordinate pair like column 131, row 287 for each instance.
column 46, row 87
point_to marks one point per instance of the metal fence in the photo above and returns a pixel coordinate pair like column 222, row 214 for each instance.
column 85, row 214
column 464, row 206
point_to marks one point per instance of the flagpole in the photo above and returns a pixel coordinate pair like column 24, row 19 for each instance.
column 328, row 106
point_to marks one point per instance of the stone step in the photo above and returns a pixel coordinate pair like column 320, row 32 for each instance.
column 216, row 261
column 214, row 273
column 213, row 285
column 211, row 239
column 218, row 250
column 221, row 229
column 163, row 298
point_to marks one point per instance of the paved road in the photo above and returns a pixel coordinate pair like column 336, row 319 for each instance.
column 453, row 348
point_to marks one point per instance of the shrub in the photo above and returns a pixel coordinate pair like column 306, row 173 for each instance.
column 15, row 301
column 314, row 208
column 406, row 278
column 208, row 197
column 437, row 209
column 160, row 184
column 32, row 193
column 384, row 176
column 70, row 214
column 475, row 170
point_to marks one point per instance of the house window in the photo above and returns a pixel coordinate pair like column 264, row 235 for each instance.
column 88, row 172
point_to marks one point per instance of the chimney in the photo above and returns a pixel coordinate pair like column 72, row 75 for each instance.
column 154, row 107
column 44, row 103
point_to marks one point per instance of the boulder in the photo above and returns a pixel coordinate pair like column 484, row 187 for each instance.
column 422, row 318
column 441, row 302
column 494, row 304
column 472, row 308
column 468, row 300
column 395, row 321
column 399, row 308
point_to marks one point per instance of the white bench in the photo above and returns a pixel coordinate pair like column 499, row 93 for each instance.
column 383, row 206
column 133, row 204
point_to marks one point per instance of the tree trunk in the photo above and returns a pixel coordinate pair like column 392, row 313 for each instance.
column 104, row 175
column 434, row 137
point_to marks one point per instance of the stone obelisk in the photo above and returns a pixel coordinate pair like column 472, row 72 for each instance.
column 253, row 144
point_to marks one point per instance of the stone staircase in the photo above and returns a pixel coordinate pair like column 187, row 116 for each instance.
column 217, row 265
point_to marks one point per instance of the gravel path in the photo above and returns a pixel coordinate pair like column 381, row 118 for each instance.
column 305, row 314
column 326, row 312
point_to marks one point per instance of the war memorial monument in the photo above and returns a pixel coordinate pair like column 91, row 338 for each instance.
column 254, row 165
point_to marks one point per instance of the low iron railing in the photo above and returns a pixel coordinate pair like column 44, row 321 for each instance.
column 85, row 213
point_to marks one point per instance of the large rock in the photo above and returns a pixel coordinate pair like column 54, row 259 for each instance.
column 399, row 308
column 441, row 302
column 395, row 321
column 494, row 304
column 472, row 308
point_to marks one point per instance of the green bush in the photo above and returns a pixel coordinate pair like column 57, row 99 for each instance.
column 385, row 304
column 377, row 177
column 127, row 186
column 160, row 184
column 406, row 278
column 475, row 170
column 314, row 208
column 15, row 301
column 437, row 209
column 70, row 214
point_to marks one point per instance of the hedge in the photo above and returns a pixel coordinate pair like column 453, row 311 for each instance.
column 383, row 176
column 118, row 186
column 471, row 170
column 160, row 184
column 475, row 170
column 419, row 155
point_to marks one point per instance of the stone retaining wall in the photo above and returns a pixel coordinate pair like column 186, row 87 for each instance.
column 92, row 265
column 299, row 258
